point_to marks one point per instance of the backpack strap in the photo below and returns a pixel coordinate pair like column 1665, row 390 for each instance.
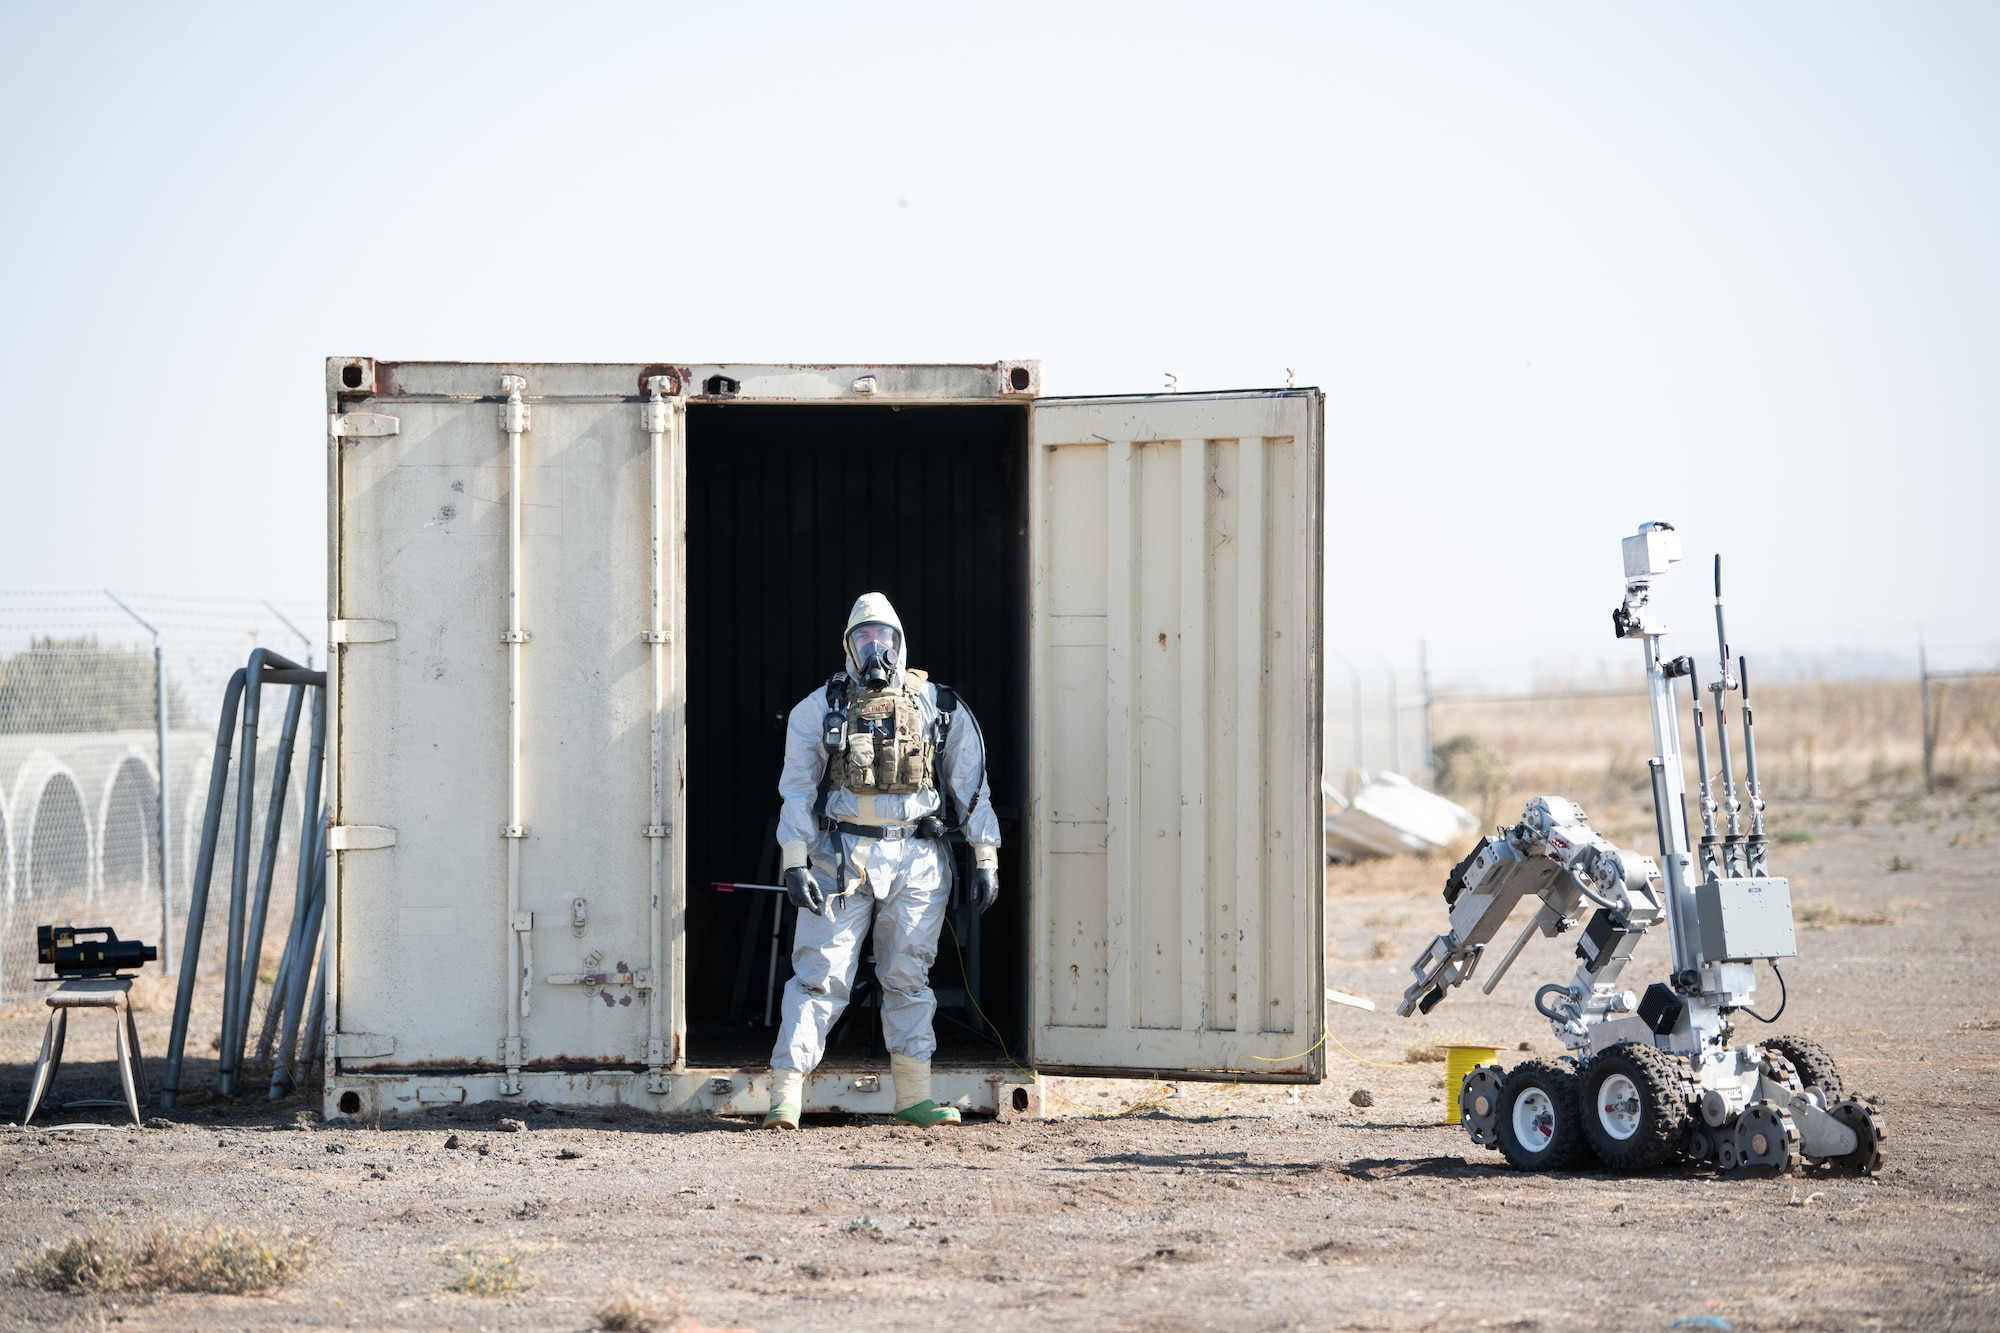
column 836, row 695
column 947, row 705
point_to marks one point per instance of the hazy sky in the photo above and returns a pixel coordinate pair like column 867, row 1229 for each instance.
column 1560, row 268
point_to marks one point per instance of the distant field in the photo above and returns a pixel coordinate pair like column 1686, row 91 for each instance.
column 1853, row 740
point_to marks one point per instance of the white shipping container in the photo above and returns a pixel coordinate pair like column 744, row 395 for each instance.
column 571, row 606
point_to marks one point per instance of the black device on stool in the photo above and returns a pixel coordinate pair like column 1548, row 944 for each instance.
column 90, row 951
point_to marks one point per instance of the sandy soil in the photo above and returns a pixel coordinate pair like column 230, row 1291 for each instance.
column 1201, row 1206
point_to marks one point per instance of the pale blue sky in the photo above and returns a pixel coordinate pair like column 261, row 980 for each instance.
column 1560, row 267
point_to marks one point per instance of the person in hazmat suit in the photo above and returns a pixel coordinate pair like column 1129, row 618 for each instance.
column 880, row 765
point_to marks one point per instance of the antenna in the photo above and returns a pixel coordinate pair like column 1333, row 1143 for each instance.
column 1757, row 843
column 1732, row 809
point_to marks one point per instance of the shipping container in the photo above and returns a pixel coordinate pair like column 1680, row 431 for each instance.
column 571, row 605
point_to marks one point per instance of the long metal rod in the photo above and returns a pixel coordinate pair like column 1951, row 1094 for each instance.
column 311, row 878
column 284, row 1076
column 657, row 413
column 514, row 420
column 239, row 868
column 1674, row 854
column 1754, row 847
column 1732, row 808
column 204, row 868
column 1710, row 861
column 166, row 856
column 267, row 862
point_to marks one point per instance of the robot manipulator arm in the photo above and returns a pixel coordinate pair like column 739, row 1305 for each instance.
column 1443, row 964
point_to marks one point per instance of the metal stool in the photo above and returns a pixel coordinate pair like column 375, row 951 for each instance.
column 91, row 993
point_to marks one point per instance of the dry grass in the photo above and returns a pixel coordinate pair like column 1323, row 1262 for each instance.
column 1384, row 947
column 1424, row 1053
column 152, row 993
column 1814, row 738
column 484, row 1273
column 230, row 1261
column 631, row 1310
column 1824, row 916
column 1394, row 876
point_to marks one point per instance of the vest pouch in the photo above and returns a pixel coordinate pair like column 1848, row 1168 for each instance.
column 915, row 774
column 887, row 755
column 860, row 761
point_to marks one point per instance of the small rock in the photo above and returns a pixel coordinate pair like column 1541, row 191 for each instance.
column 1361, row 1097
column 336, row 1147
column 1525, row 1046
column 159, row 1122
column 568, row 1155
column 376, row 1175
column 1617, row 1207
column 511, row 1126
column 451, row 1141
column 484, row 1150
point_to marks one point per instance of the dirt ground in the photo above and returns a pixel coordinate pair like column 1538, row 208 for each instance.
column 1142, row 1205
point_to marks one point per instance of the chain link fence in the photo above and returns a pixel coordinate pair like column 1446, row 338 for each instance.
column 99, row 695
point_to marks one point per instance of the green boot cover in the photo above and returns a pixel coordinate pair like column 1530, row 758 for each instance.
column 785, row 1115
column 927, row 1113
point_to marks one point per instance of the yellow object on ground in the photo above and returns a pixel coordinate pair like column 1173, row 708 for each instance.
column 1458, row 1062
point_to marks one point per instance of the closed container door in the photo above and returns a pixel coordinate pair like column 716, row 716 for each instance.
column 439, row 967
column 1177, row 896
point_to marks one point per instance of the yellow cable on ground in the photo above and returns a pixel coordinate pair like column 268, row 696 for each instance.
column 966, row 977
column 1365, row 1060
column 1280, row 1059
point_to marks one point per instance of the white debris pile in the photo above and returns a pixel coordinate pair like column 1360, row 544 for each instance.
column 1392, row 816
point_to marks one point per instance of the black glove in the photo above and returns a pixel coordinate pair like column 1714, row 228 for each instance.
column 985, row 886
column 804, row 891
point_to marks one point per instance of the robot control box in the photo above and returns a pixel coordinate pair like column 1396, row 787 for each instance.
column 1746, row 918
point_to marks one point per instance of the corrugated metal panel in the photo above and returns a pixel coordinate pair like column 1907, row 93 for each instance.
column 1175, row 734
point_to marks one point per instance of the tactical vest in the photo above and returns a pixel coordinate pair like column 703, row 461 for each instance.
column 888, row 750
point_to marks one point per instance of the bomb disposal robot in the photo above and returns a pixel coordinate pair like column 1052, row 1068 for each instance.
column 1654, row 1079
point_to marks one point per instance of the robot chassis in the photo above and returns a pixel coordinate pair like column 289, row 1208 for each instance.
column 1653, row 1080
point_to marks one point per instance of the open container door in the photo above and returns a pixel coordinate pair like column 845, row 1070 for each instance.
column 1177, row 900
column 508, row 615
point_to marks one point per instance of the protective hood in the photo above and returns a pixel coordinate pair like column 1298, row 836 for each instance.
column 873, row 606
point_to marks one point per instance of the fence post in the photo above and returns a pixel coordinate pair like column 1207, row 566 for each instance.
column 1424, row 683
column 1930, row 730
column 1395, row 724
column 160, row 742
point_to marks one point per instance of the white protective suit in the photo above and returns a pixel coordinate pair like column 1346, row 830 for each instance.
column 901, row 886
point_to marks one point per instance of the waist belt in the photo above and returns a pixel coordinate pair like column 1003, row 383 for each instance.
column 891, row 832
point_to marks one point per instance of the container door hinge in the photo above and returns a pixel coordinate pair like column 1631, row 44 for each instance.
column 356, row 425
column 656, row 1067
column 657, row 636
column 659, row 830
column 513, row 1054
column 517, row 636
column 514, row 831
column 359, row 837
column 360, row 631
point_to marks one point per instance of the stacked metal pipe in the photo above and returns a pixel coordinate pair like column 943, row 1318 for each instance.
column 250, row 900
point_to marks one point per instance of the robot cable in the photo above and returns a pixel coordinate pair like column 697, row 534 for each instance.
column 1783, row 996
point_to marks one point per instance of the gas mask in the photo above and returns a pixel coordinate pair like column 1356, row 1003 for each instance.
column 874, row 650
